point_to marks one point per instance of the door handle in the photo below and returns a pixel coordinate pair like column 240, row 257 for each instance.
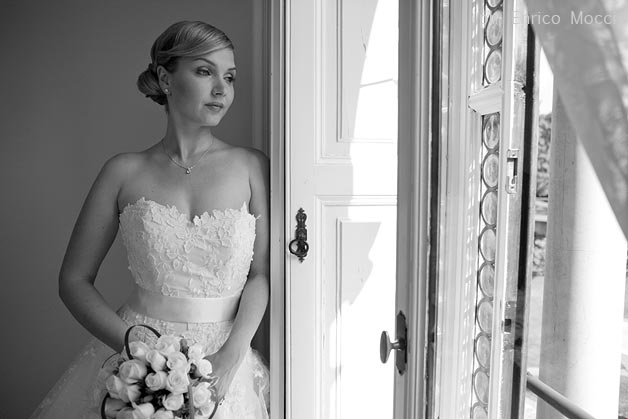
column 385, row 345
column 299, row 246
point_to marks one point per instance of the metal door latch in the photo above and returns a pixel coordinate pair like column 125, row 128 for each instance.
column 299, row 246
column 512, row 170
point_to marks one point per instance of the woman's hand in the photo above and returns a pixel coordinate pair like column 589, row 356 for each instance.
column 225, row 364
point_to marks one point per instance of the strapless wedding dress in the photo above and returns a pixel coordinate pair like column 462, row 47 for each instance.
column 189, row 276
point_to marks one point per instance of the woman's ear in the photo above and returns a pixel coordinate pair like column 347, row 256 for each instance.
column 163, row 76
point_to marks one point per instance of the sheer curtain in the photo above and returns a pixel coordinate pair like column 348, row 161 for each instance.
column 586, row 44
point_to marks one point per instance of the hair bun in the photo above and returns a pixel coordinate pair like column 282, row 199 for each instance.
column 148, row 84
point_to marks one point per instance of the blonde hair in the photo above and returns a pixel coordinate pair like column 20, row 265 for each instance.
column 181, row 39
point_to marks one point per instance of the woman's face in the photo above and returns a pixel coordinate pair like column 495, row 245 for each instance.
column 201, row 88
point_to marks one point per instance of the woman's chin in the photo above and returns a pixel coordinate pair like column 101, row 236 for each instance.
column 213, row 118
column 209, row 121
column 212, row 122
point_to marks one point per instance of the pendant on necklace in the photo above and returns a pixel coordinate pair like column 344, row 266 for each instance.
column 188, row 171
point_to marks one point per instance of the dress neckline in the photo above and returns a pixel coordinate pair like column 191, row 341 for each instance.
column 214, row 214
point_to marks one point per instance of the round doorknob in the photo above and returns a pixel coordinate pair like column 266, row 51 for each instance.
column 385, row 346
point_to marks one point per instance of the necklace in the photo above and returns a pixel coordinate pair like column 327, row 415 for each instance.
column 188, row 169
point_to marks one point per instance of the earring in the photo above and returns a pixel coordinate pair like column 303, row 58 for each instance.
column 167, row 91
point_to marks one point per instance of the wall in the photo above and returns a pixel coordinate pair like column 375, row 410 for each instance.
column 69, row 102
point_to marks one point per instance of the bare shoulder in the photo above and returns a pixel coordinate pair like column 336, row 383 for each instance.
column 250, row 159
column 117, row 174
column 122, row 162
column 119, row 167
column 255, row 160
column 256, row 157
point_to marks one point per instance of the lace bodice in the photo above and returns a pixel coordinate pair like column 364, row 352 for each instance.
column 209, row 256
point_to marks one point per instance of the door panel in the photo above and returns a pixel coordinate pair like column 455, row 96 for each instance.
column 359, row 259
column 341, row 169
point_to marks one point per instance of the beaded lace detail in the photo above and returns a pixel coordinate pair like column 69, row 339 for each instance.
column 209, row 256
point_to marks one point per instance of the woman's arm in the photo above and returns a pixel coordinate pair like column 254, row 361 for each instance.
column 256, row 290
column 93, row 234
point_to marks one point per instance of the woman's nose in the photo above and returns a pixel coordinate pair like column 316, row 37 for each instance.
column 218, row 89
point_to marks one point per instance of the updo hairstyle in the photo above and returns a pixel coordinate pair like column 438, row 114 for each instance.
column 181, row 39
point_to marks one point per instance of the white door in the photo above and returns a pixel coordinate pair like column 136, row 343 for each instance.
column 341, row 152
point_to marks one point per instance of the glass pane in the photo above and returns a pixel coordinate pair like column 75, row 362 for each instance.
column 483, row 350
column 485, row 315
column 493, row 35
column 480, row 385
column 487, row 224
column 487, row 244
column 490, row 131
column 479, row 412
column 490, row 170
column 489, row 207
column 493, row 66
column 486, row 280
column 494, row 29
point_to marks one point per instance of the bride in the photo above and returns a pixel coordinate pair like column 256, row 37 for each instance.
column 193, row 215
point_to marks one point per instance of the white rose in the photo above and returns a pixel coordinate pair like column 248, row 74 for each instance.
column 114, row 385
column 156, row 381
column 201, row 394
column 113, row 406
column 206, row 410
column 167, row 344
column 143, row 411
column 139, row 350
column 173, row 401
column 178, row 361
column 156, row 360
column 177, row 382
column 132, row 371
column 195, row 352
column 203, row 368
column 121, row 390
column 162, row 414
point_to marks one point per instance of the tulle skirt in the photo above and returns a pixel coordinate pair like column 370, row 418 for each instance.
column 79, row 392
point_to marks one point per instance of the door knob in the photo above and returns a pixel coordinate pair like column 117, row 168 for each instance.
column 385, row 345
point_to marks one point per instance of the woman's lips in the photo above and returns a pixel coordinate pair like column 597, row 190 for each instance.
column 216, row 107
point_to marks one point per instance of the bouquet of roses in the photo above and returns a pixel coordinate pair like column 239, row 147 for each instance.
column 164, row 380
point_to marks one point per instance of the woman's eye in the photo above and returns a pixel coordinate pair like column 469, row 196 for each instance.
column 230, row 79
column 203, row 72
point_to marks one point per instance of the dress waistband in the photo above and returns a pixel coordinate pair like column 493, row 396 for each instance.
column 183, row 309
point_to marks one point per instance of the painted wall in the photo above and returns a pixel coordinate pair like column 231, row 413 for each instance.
column 68, row 103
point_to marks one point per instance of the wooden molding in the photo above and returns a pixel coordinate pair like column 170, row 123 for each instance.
column 274, row 58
